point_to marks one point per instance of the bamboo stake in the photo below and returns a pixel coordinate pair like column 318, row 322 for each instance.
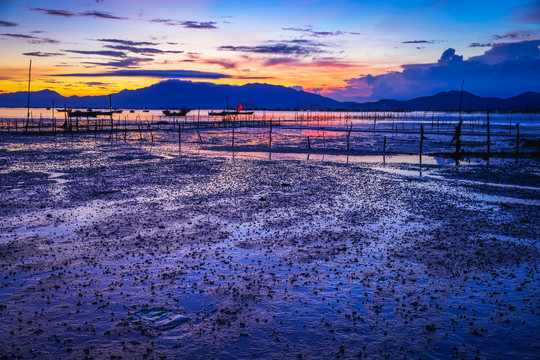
column 28, row 108
column 179, row 138
column 349, row 136
column 517, row 140
column 421, row 141
column 270, row 136
column 488, row 136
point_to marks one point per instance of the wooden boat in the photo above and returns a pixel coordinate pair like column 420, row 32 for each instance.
column 180, row 112
column 229, row 113
column 90, row 113
column 80, row 113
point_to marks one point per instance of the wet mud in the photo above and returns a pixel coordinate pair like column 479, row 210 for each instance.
column 130, row 250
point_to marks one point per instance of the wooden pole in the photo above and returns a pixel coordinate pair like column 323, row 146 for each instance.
column 517, row 140
column 308, row 143
column 488, row 136
column 384, row 145
column 200, row 137
column 349, row 136
column 53, row 119
column 28, row 108
column 270, row 136
column 179, row 137
column 421, row 141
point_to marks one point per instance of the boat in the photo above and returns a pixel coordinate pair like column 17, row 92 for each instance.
column 89, row 112
column 229, row 113
column 132, row 111
column 145, row 110
column 181, row 112
column 80, row 113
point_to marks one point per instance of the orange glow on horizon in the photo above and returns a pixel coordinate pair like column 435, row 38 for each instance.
column 316, row 75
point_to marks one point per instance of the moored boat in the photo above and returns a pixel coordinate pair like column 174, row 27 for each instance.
column 181, row 112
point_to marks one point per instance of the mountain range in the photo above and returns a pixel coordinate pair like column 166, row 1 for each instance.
column 176, row 93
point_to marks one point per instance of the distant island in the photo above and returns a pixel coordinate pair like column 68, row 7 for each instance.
column 177, row 93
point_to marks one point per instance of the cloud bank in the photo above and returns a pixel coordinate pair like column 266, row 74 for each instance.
column 164, row 74
column 504, row 70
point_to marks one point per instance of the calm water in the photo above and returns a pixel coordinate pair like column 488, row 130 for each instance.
column 376, row 120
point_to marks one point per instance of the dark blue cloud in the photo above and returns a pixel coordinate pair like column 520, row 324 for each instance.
column 164, row 74
column 54, row 12
column 110, row 53
column 127, row 42
column 65, row 13
column 32, row 39
column 504, row 70
column 7, row 23
column 102, row 15
column 419, row 42
column 205, row 25
column 127, row 62
column 297, row 47
column 41, row 54
column 143, row 51
column 315, row 33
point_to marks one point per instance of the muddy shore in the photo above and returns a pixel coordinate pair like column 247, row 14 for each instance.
column 130, row 250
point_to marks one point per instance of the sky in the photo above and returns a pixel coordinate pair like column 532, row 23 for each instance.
column 344, row 49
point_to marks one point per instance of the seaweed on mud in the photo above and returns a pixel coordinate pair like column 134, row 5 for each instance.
column 266, row 258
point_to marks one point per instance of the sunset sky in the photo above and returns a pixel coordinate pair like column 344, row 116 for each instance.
column 347, row 50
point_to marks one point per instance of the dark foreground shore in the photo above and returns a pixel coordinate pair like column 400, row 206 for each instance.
column 128, row 250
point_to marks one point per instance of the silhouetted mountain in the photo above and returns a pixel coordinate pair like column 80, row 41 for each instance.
column 176, row 93
column 450, row 101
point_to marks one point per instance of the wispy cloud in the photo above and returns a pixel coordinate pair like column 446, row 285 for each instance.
column 7, row 23
column 111, row 53
column 225, row 63
column 65, row 13
column 315, row 33
column 129, row 62
column 32, row 39
column 102, row 15
column 41, row 54
column 54, row 12
column 127, row 42
column 298, row 47
column 142, row 51
column 327, row 62
column 419, row 42
column 164, row 74
column 309, row 31
column 280, row 61
column 199, row 25
column 513, row 35
column 205, row 25
column 98, row 84
column 476, row 44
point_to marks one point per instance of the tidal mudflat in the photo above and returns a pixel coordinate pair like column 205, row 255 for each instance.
column 129, row 250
